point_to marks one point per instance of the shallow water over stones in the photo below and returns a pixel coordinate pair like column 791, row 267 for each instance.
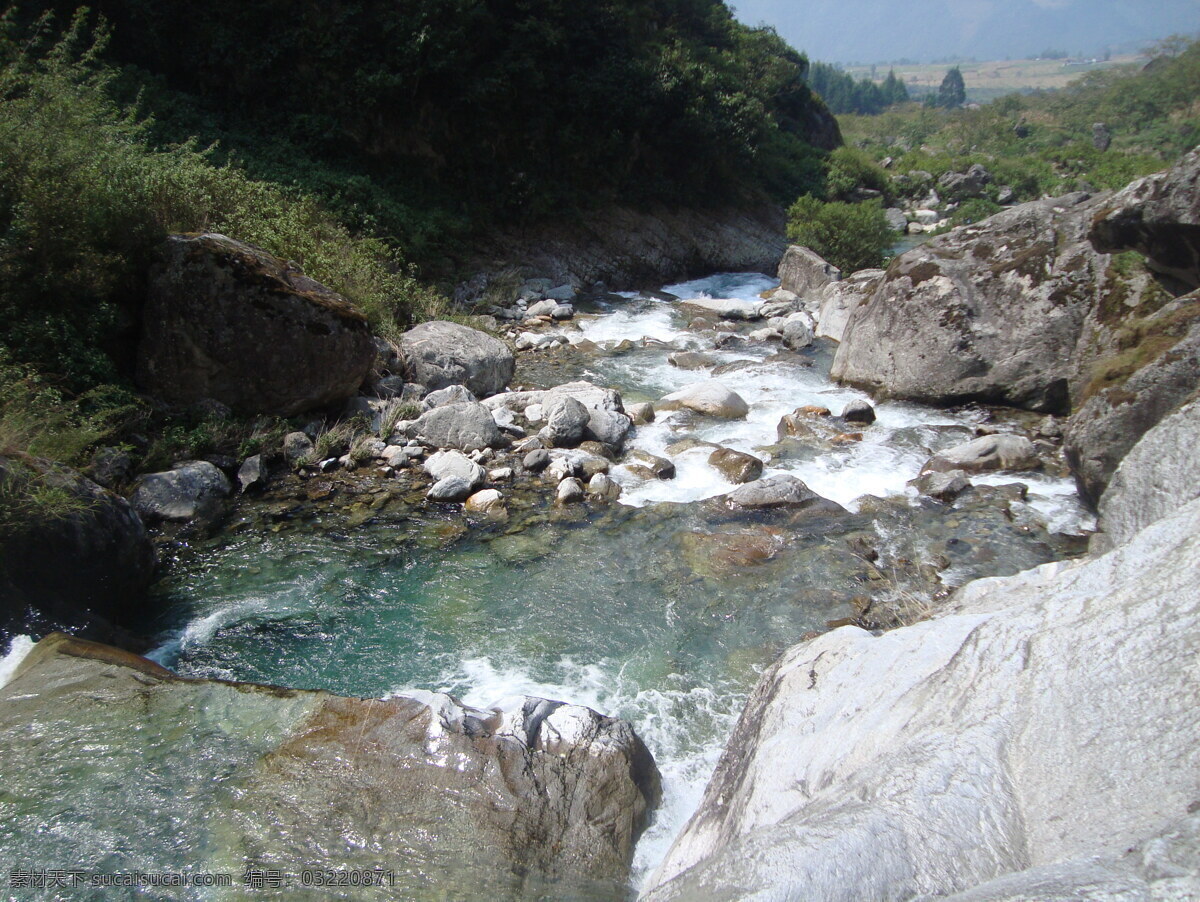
column 661, row 610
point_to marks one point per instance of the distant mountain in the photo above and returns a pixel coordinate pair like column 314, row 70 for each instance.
column 881, row 30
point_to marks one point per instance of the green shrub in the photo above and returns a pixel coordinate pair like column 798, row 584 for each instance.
column 849, row 170
column 850, row 236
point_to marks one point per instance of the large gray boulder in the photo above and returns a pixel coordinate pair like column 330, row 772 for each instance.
column 989, row 312
column 1031, row 735
column 709, row 398
column 803, row 271
column 228, row 321
column 193, row 489
column 566, row 422
column 465, row 426
column 1160, row 474
column 87, row 568
column 439, row 354
column 779, row 491
column 504, row 800
column 840, row 299
column 1159, row 216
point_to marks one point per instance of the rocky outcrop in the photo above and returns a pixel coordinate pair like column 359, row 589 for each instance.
column 1158, row 216
column 802, row 271
column 990, row 312
column 440, row 354
column 629, row 249
column 1160, row 473
column 86, row 569
column 228, row 321
column 977, row 753
column 504, row 800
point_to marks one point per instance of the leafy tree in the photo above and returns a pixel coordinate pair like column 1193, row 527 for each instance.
column 953, row 91
column 850, row 236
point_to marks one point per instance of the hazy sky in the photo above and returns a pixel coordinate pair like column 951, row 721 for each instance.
column 880, row 30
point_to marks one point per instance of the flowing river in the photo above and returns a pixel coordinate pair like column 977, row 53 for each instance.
column 655, row 609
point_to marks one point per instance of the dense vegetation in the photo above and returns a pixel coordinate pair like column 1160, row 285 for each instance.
column 843, row 94
column 427, row 119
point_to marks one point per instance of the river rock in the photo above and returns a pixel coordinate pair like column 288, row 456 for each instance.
column 536, row 460
column 641, row 413
column 439, row 354
column 859, row 411
column 193, row 489
column 736, row 466
column 942, row 486
column 252, row 474
column 445, row 464
column 603, row 487
column 564, row 467
column 608, row 427
column 450, row 488
column 1158, row 216
column 896, row 219
column 709, row 398
column 651, row 466
column 989, row 452
column 1159, row 475
column 840, row 299
column 466, row 426
column 802, row 271
column 980, row 746
column 692, row 360
column 451, row 394
column 228, row 321
column 541, row 308
column 538, row 794
column 88, row 568
column 569, row 491
column 780, row 491
column 797, row 331
column 727, row 308
column 989, row 312
column 566, row 422
column 959, row 185
column 488, row 501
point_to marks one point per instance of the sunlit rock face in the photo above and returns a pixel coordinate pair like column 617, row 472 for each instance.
column 177, row 774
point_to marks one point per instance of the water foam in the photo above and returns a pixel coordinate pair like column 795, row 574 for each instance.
column 17, row 650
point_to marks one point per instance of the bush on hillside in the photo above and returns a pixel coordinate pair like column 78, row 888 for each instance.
column 850, row 236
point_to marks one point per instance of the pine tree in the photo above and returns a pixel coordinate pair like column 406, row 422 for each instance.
column 953, row 92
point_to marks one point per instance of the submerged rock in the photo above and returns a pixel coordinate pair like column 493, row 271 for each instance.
column 989, row 452
column 736, row 466
column 975, row 750
column 504, row 800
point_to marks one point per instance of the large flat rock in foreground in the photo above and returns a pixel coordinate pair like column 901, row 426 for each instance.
column 114, row 764
column 1037, row 742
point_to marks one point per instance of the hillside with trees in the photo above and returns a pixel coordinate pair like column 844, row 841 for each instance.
column 844, row 94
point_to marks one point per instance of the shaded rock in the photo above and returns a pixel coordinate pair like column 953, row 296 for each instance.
column 657, row 467
column 1160, row 474
column 1158, row 216
column 536, row 461
column 194, row 489
column 466, row 426
column 896, row 219
column 797, row 331
column 1101, row 136
column 1036, row 685
column 569, row 491
column 802, row 271
column 450, row 488
column 859, row 411
column 989, row 312
column 989, row 452
column 608, row 427
column 228, row 321
column 110, row 467
column 539, row 791
column 566, row 420
column 86, row 569
column 780, row 491
column 440, row 354
column 692, row 360
column 252, row 474
column 960, row 185
column 942, row 486
column 709, row 398
column 840, row 299
column 736, row 466
column 451, row 394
